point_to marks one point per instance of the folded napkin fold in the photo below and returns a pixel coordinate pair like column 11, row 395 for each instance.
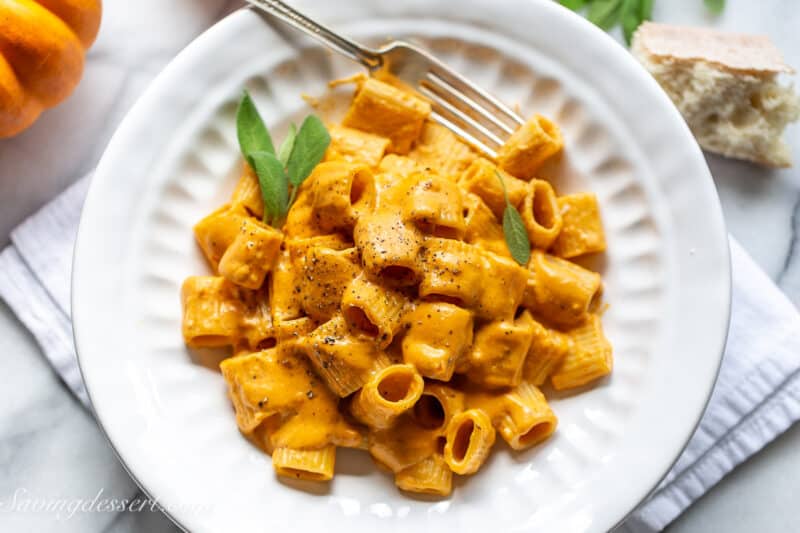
column 756, row 398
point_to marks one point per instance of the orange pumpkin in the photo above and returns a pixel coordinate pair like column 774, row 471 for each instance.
column 42, row 49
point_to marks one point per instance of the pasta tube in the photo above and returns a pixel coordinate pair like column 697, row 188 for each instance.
column 503, row 286
column 385, row 110
column 341, row 193
column 248, row 192
column 482, row 228
column 583, row 229
column 389, row 248
column 388, row 394
column 527, row 418
column 541, row 214
column 315, row 465
column 481, row 179
column 256, row 322
column 326, row 272
column 357, row 146
column 439, row 149
column 259, row 386
column 560, row 291
column 300, row 220
column 499, row 352
column 470, row 437
column 433, row 204
column 429, row 476
column 345, row 361
column 372, row 309
column 398, row 166
column 404, row 444
column 437, row 336
column 548, row 349
column 452, row 271
column 437, row 405
column 211, row 312
column 251, row 254
column 529, row 147
column 284, row 297
column 218, row 230
column 590, row 359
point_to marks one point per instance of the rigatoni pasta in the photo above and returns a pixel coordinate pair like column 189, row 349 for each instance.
column 582, row 230
column 526, row 418
column 541, row 214
column 530, row 147
column 590, row 359
column 341, row 192
column 430, row 476
column 481, row 179
column 386, row 110
column 314, row 465
column 386, row 312
column 212, row 312
column 437, row 336
column 469, row 440
column 251, row 254
column 357, row 146
column 561, row 290
column 388, row 394
column 374, row 309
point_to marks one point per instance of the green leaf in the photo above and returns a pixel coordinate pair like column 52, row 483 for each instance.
column 715, row 6
column 288, row 143
column 516, row 235
column 514, row 229
column 646, row 10
column 309, row 148
column 250, row 129
column 274, row 186
column 605, row 13
column 575, row 5
column 631, row 18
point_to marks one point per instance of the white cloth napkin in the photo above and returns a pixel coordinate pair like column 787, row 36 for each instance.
column 757, row 395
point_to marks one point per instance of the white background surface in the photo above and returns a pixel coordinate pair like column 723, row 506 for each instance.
column 50, row 447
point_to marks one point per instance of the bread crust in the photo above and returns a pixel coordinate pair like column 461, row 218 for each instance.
column 732, row 52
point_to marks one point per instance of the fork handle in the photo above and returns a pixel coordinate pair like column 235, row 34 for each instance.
column 355, row 51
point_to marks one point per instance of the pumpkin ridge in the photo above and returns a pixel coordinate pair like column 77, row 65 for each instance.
column 42, row 51
column 81, row 16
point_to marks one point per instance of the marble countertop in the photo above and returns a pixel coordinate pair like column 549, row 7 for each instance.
column 50, row 447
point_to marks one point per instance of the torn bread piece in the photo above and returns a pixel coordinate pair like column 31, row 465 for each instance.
column 726, row 87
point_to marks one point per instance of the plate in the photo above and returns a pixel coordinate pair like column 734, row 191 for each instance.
column 174, row 158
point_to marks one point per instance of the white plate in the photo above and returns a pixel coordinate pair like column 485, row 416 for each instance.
column 175, row 157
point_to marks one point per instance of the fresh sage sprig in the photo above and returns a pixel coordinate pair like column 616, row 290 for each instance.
column 715, row 6
column 629, row 13
column 605, row 13
column 288, row 144
column 514, row 230
column 279, row 174
column 308, row 149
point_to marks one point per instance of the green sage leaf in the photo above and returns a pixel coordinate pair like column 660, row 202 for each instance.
column 516, row 235
column 309, row 148
column 514, row 229
column 274, row 186
column 715, row 6
column 288, row 144
column 646, row 10
column 631, row 18
column 250, row 129
column 575, row 5
column 605, row 13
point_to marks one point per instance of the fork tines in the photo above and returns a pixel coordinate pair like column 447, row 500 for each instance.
column 467, row 110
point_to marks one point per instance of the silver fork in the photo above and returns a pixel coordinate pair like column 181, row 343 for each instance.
column 457, row 104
